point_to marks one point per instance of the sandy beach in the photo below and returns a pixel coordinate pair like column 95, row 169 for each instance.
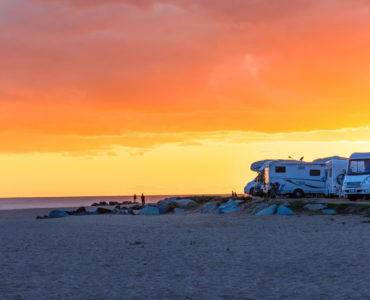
column 184, row 256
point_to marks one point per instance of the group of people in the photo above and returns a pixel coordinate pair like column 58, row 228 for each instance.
column 274, row 190
column 234, row 195
column 142, row 199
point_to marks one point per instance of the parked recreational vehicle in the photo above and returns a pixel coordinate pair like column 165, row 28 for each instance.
column 296, row 178
column 357, row 180
column 336, row 170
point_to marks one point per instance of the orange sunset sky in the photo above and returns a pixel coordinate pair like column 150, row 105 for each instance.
column 109, row 97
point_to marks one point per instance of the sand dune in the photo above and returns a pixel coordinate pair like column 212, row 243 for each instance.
column 184, row 257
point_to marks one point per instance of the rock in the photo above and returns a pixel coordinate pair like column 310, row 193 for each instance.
column 127, row 202
column 112, row 203
column 238, row 202
column 165, row 206
column 229, row 207
column 259, row 207
column 178, row 210
column 314, row 207
column 136, row 207
column 80, row 210
column 94, row 204
column 149, row 210
column 185, row 203
column 102, row 211
column 209, row 207
column 57, row 213
column 117, row 207
column 329, row 212
column 103, row 203
column 284, row 211
column 267, row 211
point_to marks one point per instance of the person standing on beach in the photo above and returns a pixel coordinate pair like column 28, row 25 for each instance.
column 135, row 198
column 142, row 199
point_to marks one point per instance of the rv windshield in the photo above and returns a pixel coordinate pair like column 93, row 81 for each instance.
column 359, row 167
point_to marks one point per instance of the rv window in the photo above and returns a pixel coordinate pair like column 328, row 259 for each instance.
column 280, row 169
column 314, row 172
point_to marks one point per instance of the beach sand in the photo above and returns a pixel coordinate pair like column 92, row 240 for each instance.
column 182, row 256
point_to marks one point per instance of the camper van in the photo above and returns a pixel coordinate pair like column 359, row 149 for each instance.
column 336, row 170
column 357, row 180
column 296, row 178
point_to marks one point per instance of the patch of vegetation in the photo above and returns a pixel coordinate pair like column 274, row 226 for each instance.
column 222, row 199
column 297, row 205
column 346, row 209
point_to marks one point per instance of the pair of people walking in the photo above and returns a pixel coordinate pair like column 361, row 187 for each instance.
column 142, row 199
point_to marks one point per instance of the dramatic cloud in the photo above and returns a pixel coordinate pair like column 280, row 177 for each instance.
column 93, row 69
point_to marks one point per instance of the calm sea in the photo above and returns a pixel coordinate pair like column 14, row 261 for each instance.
column 60, row 202
column 48, row 202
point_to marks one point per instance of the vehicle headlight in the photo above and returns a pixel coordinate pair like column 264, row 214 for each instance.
column 366, row 180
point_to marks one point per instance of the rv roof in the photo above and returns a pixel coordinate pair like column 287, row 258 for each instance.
column 295, row 163
column 360, row 156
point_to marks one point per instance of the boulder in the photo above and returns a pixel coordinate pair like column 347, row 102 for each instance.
column 57, row 213
column 267, row 211
column 165, row 206
column 178, row 210
column 103, row 211
column 127, row 202
column 209, row 207
column 329, row 212
column 284, row 211
column 314, row 207
column 229, row 207
column 149, row 210
column 184, row 203
column 259, row 207
column 80, row 210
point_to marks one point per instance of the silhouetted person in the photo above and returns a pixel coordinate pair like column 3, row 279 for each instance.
column 135, row 197
column 142, row 199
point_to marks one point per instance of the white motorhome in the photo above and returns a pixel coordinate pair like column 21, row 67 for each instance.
column 357, row 180
column 336, row 171
column 296, row 178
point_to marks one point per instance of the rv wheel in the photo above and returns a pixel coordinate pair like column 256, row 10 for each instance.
column 298, row 194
